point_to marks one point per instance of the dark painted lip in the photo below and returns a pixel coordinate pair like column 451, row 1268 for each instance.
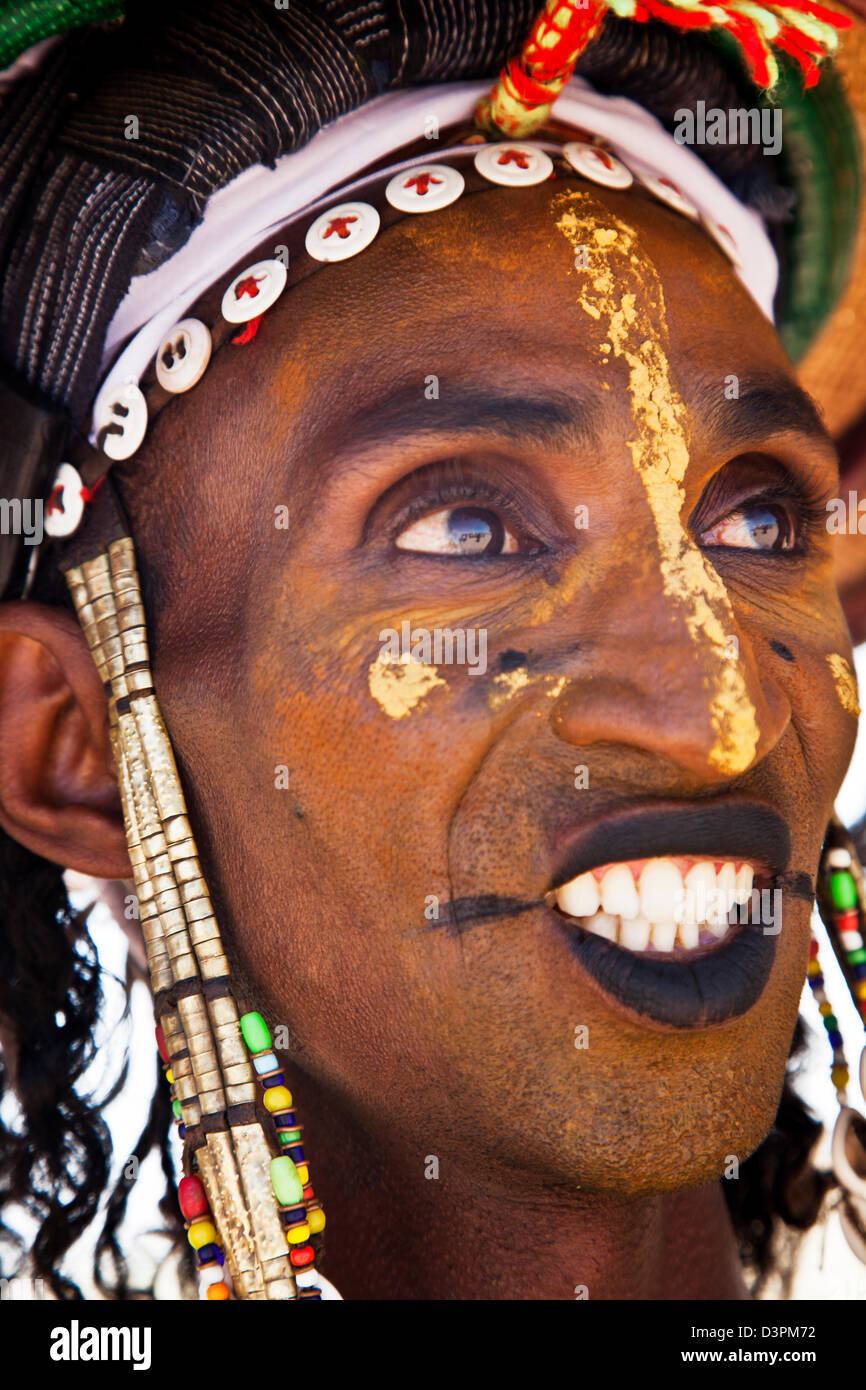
column 736, row 828
column 713, row 987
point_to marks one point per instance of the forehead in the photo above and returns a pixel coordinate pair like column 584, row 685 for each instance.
column 496, row 276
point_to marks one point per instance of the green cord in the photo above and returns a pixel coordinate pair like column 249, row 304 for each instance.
column 25, row 22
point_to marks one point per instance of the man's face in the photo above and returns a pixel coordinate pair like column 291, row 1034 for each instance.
column 549, row 420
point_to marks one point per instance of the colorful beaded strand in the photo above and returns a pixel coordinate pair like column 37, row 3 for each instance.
column 845, row 892
column 195, row 1208
column 839, row 1069
column 301, row 1214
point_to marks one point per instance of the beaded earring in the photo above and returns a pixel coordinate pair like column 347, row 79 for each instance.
column 841, row 899
column 250, row 1212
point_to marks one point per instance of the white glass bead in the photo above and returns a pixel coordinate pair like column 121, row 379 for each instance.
column 342, row 232
column 125, row 409
column 513, row 163
column 851, row 940
column 425, row 188
column 254, row 291
column 838, row 859
column 311, row 1278
column 598, row 165
column 183, row 355
column 211, row 1274
column 65, row 506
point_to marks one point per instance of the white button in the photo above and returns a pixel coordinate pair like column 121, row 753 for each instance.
column 183, row 355
column 254, row 291
column 125, row 412
column 598, row 165
column 723, row 239
column 513, row 163
column 342, row 232
column 65, row 506
column 425, row 188
column 668, row 192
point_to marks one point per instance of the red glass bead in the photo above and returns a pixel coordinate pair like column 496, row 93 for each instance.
column 813, row 947
column 160, row 1042
column 308, row 1193
column 303, row 1256
column 848, row 921
column 192, row 1198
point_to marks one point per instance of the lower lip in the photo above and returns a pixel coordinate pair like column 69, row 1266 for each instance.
column 712, row 987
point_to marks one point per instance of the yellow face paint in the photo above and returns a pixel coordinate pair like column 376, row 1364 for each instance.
column 845, row 682
column 398, row 686
column 635, row 328
column 510, row 683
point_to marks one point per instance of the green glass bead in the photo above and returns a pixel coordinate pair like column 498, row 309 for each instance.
column 858, row 957
column 830, row 1022
column 843, row 890
column 290, row 1136
column 175, row 1109
column 287, row 1185
column 255, row 1033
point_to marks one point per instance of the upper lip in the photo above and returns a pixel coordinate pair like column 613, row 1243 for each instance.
column 733, row 828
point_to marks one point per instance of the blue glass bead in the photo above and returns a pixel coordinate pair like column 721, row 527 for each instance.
column 267, row 1062
column 296, row 1153
column 220, row 1257
column 835, row 1038
column 276, row 1080
column 858, row 972
column 207, row 1252
column 181, row 1129
column 285, row 1120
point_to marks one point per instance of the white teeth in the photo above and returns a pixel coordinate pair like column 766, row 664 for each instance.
column 634, row 933
column 745, row 876
column 700, row 886
column 661, row 886
column 580, row 897
column 717, row 916
column 663, row 935
column 618, row 893
column 662, row 912
column 603, row 924
column 688, row 935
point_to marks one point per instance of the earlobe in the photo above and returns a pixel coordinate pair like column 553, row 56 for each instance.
column 58, row 789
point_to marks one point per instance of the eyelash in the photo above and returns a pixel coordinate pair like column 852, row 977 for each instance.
column 809, row 515
column 482, row 493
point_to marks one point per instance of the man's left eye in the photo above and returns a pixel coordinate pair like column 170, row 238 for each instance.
column 466, row 531
column 756, row 526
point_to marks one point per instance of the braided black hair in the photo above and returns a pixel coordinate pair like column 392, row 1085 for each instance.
column 55, row 1160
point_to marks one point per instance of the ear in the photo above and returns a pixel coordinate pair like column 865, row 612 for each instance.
column 58, row 787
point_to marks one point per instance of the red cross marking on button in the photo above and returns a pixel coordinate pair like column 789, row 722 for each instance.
column 518, row 157
column 249, row 285
column 340, row 226
column 421, row 183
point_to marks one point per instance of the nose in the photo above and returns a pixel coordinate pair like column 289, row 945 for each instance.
column 671, row 673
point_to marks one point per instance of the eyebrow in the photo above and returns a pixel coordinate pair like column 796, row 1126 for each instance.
column 767, row 404
column 553, row 418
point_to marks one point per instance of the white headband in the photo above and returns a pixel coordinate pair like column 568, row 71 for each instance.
column 260, row 201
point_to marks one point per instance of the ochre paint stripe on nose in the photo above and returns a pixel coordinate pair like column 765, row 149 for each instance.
column 633, row 324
